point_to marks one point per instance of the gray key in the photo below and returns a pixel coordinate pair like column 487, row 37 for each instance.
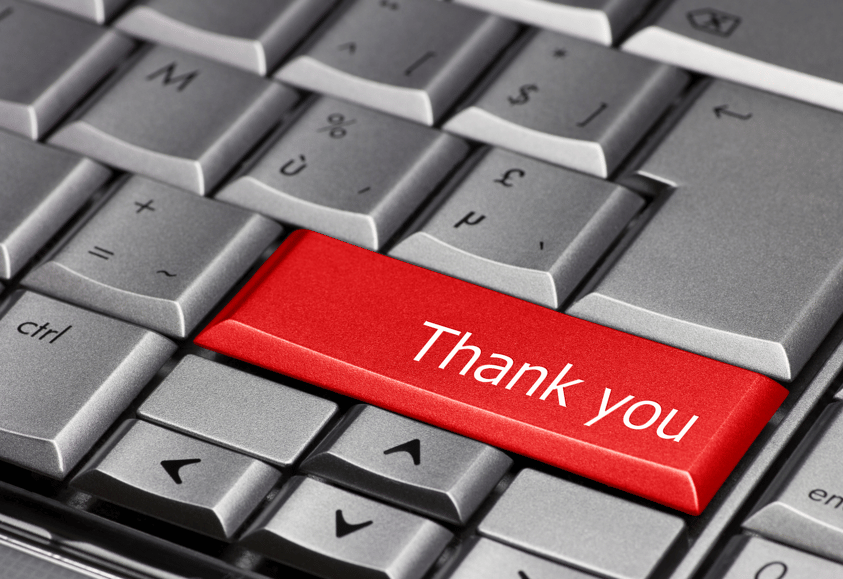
column 490, row 560
column 410, row 58
column 408, row 463
column 100, row 11
column 67, row 375
column 549, row 103
column 349, row 172
column 155, row 256
column 782, row 46
column 596, row 20
column 239, row 411
column 334, row 534
column 802, row 506
column 249, row 34
column 40, row 188
column 522, row 227
column 178, row 118
column 755, row 558
column 585, row 528
column 743, row 261
column 181, row 480
column 50, row 61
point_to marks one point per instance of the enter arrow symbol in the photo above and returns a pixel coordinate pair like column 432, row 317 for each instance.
column 174, row 466
column 724, row 110
column 344, row 528
column 412, row 447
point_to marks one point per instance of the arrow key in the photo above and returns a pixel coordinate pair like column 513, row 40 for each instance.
column 181, row 480
column 334, row 533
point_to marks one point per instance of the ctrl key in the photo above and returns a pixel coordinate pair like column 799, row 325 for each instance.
column 67, row 375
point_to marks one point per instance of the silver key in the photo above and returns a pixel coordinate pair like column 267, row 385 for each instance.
column 748, row 278
column 239, row 411
column 595, row 20
column 408, row 463
column 40, row 188
column 585, row 528
column 780, row 46
column 491, row 560
column 178, row 479
column 178, row 118
column 549, row 103
column 99, row 11
column 335, row 534
column 755, row 558
column 249, row 34
column 349, row 172
column 68, row 374
column 802, row 506
column 522, row 227
column 155, row 256
column 409, row 58
column 50, row 61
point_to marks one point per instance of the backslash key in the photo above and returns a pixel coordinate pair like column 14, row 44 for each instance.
column 640, row 416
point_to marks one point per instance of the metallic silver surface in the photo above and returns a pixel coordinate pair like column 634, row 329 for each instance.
column 67, row 375
column 582, row 527
column 349, row 172
column 176, row 478
column 40, row 188
column 743, row 261
column 490, row 560
column 19, row 561
column 334, row 533
column 100, row 11
column 757, row 558
column 237, row 410
column 802, row 506
column 155, row 256
column 410, row 58
column 50, row 61
column 413, row 465
column 155, row 119
column 522, row 227
column 551, row 103
column 249, row 34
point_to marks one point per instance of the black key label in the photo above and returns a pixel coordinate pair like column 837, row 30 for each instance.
column 174, row 466
column 34, row 330
column 714, row 21
column 412, row 447
column 345, row 528
column 169, row 74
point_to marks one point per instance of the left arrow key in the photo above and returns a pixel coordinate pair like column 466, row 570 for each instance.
column 136, row 470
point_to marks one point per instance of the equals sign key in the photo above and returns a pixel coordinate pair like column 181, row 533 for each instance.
column 101, row 252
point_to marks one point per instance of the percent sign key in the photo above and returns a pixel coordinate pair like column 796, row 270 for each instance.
column 336, row 125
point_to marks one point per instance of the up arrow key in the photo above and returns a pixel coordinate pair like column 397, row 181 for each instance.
column 174, row 466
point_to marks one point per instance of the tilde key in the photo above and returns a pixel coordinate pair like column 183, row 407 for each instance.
column 640, row 416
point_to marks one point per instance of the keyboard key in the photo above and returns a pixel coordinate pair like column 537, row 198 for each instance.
column 601, row 533
column 802, row 506
column 522, row 227
column 595, row 20
column 239, row 411
column 748, row 278
column 549, row 103
column 637, row 415
column 154, row 120
column 334, row 534
column 40, row 188
column 249, row 34
column 782, row 47
column 490, row 560
column 409, row 58
column 155, row 256
column 67, row 375
column 348, row 172
column 754, row 557
column 176, row 478
column 50, row 61
column 99, row 11
column 413, row 465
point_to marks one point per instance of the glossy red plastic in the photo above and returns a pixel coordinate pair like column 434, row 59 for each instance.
column 640, row 416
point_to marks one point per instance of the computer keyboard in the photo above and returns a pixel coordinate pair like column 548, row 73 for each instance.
column 194, row 385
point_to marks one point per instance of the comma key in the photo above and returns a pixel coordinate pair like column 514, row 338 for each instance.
column 637, row 415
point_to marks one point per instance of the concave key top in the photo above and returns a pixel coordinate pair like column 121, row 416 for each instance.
column 637, row 415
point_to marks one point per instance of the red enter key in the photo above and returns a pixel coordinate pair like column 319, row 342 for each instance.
column 640, row 416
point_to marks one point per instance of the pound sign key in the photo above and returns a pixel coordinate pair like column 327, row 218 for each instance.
column 504, row 179
column 523, row 94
